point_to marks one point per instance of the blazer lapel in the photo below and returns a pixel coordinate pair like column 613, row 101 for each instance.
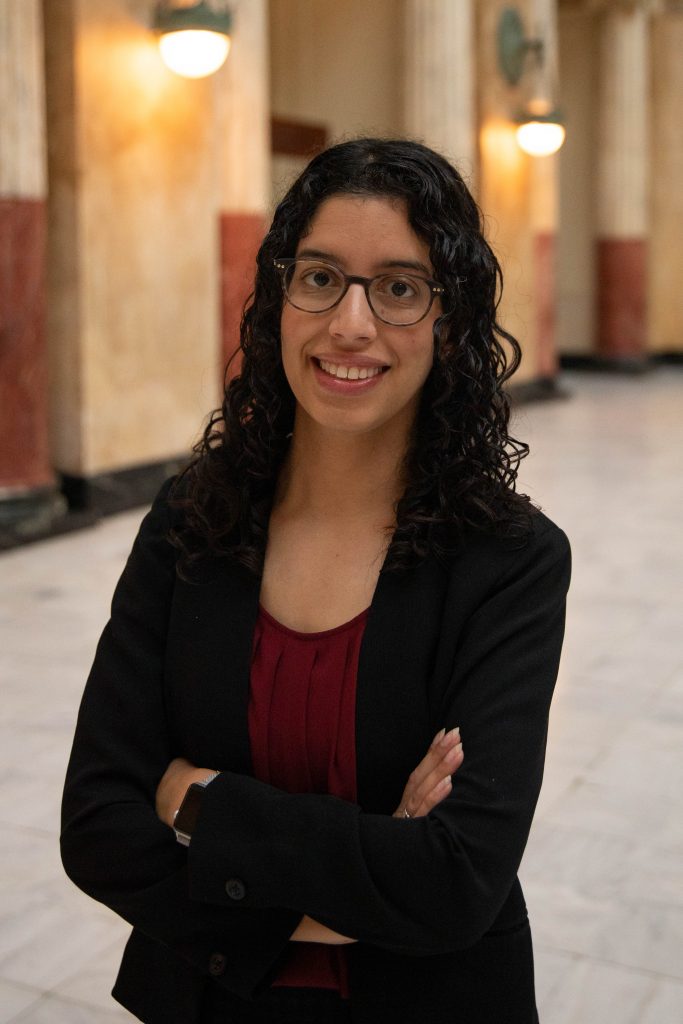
column 393, row 719
column 210, row 664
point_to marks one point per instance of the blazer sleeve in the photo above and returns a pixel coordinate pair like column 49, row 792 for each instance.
column 434, row 884
column 113, row 845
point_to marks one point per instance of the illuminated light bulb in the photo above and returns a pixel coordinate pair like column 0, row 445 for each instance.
column 194, row 53
column 540, row 138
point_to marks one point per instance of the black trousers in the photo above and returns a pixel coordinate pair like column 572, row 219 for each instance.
column 280, row 1005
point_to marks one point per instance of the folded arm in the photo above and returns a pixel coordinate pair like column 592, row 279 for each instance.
column 435, row 884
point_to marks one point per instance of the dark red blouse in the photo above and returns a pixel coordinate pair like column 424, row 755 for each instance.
column 302, row 708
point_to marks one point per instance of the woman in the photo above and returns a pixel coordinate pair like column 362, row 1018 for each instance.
column 342, row 577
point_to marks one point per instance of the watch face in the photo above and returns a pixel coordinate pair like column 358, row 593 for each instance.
column 186, row 818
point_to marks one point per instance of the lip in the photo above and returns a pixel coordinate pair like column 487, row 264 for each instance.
column 345, row 387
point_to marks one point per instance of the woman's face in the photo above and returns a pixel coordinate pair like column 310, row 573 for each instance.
column 363, row 236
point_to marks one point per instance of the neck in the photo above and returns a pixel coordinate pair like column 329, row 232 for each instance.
column 341, row 477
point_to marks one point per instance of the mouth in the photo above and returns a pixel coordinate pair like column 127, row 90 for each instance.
column 349, row 373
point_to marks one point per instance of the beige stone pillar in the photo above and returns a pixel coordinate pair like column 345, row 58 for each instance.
column 440, row 69
column 622, row 181
column 133, row 277
column 544, row 201
column 27, row 494
column 242, row 134
column 665, row 314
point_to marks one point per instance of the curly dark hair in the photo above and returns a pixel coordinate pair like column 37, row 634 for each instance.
column 461, row 464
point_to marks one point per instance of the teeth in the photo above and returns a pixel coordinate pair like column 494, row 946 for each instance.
column 350, row 372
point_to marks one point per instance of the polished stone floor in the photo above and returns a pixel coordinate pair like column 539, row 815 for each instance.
column 603, row 870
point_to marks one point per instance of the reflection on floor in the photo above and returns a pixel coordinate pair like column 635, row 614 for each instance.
column 602, row 871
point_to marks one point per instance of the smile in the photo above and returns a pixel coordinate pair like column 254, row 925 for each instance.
column 351, row 372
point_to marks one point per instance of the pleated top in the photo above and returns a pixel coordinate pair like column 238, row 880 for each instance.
column 302, row 708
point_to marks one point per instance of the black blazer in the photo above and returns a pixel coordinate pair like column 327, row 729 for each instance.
column 434, row 902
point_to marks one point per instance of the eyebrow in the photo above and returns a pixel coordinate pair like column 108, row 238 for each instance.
column 318, row 254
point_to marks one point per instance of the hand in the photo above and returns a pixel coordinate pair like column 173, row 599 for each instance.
column 174, row 784
column 431, row 781
column 309, row 930
column 427, row 786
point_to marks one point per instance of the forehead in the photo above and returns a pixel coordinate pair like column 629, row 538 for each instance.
column 372, row 229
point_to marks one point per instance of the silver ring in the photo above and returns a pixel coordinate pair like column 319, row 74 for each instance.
column 405, row 813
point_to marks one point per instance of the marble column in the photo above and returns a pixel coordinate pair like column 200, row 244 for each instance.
column 665, row 312
column 133, row 311
column 622, row 183
column 28, row 500
column 242, row 133
column 440, row 79
column 544, row 201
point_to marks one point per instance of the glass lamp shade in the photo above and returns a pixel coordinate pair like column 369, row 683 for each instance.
column 194, row 53
column 540, row 138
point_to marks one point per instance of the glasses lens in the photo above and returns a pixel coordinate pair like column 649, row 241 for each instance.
column 400, row 299
column 313, row 286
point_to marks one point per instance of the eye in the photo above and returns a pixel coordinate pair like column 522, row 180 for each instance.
column 317, row 278
column 399, row 289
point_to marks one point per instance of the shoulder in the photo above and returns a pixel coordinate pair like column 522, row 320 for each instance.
column 154, row 535
column 485, row 561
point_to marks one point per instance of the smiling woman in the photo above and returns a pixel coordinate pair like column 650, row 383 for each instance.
column 341, row 320
column 341, row 584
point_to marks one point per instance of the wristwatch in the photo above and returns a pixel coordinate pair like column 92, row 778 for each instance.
column 185, row 818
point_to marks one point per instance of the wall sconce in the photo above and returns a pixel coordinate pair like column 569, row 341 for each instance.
column 541, row 131
column 194, row 38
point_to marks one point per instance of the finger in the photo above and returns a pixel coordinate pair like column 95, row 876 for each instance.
column 441, row 744
column 434, row 797
column 446, row 765
column 422, row 802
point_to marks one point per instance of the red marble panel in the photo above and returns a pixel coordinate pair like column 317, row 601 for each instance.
column 241, row 235
column 24, row 451
column 622, row 297
column 546, row 304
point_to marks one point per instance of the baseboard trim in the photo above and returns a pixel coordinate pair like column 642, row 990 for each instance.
column 540, row 389
column 668, row 359
column 119, row 490
column 82, row 503
column 620, row 364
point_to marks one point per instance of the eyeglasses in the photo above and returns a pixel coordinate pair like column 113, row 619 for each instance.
column 396, row 299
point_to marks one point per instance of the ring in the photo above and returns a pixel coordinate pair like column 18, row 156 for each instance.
column 406, row 814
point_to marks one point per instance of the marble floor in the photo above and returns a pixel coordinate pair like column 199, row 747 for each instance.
column 603, row 871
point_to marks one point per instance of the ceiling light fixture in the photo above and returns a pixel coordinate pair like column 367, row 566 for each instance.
column 194, row 38
column 540, row 129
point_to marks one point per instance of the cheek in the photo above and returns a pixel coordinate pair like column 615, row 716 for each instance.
column 287, row 343
column 292, row 339
column 423, row 349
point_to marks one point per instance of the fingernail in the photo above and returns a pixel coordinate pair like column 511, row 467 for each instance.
column 446, row 783
column 450, row 736
column 439, row 736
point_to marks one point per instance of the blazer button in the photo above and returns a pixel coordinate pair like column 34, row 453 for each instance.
column 217, row 964
column 235, row 888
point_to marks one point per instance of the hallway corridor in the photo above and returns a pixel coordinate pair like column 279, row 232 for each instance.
column 602, row 871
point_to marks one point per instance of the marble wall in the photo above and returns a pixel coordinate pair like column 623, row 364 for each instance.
column 350, row 80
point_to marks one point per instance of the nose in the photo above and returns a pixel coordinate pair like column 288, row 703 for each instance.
column 353, row 318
